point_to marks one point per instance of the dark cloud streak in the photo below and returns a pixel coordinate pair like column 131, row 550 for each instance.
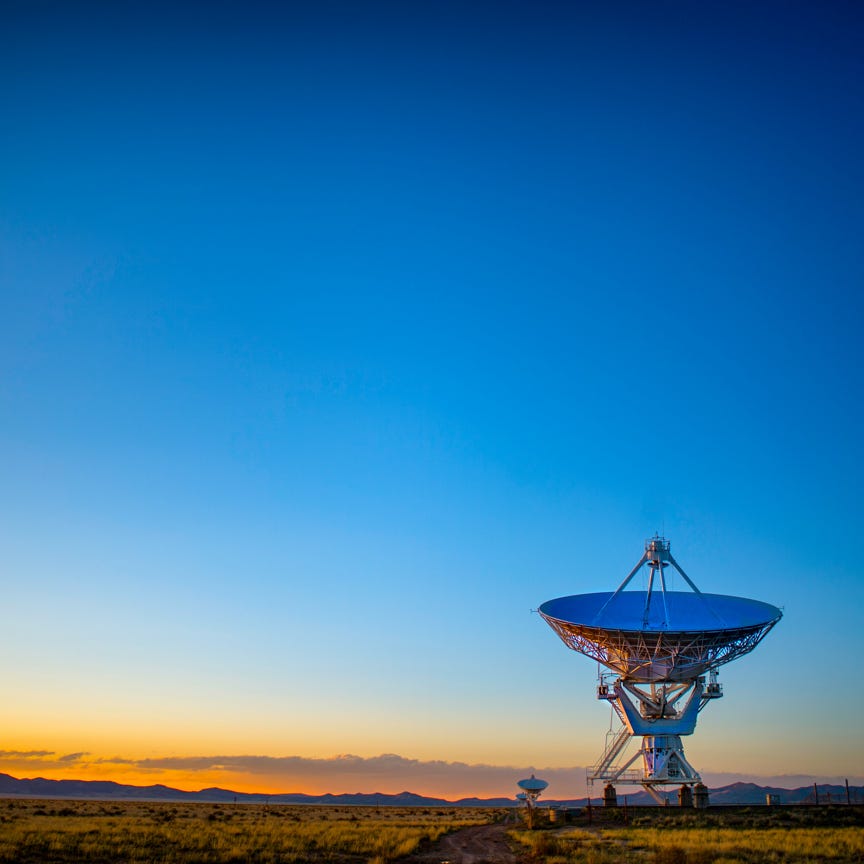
column 351, row 773
column 25, row 754
column 73, row 757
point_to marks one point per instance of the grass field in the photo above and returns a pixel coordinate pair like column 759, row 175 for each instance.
column 61, row 832
column 57, row 832
column 758, row 835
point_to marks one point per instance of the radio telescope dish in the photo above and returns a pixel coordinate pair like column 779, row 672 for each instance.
column 673, row 640
column 666, row 641
column 531, row 788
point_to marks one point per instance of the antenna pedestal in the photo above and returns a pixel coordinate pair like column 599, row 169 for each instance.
column 663, row 761
column 660, row 715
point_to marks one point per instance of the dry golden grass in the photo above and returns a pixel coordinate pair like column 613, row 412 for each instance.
column 60, row 832
column 56, row 832
column 749, row 836
column 753, row 845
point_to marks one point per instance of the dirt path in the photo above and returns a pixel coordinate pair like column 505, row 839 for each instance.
column 485, row 844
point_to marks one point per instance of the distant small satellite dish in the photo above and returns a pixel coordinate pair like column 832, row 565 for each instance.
column 532, row 784
column 531, row 788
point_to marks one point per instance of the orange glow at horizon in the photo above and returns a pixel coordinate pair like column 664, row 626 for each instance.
column 184, row 781
column 419, row 783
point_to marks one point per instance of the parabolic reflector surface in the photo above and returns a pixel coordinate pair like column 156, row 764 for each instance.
column 678, row 636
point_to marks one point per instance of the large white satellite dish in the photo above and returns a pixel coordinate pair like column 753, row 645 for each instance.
column 658, row 646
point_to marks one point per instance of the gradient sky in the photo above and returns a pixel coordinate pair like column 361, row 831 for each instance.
column 334, row 339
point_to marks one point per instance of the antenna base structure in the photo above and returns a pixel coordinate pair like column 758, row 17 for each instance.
column 662, row 653
column 660, row 715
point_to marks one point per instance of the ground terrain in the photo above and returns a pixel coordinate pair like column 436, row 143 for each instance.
column 118, row 832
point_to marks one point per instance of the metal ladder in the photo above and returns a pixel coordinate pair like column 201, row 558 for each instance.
column 603, row 770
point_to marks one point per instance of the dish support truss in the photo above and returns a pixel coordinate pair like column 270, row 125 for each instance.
column 659, row 656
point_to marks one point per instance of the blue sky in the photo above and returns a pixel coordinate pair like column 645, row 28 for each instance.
column 333, row 341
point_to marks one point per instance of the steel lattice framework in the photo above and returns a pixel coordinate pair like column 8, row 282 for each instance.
column 666, row 656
